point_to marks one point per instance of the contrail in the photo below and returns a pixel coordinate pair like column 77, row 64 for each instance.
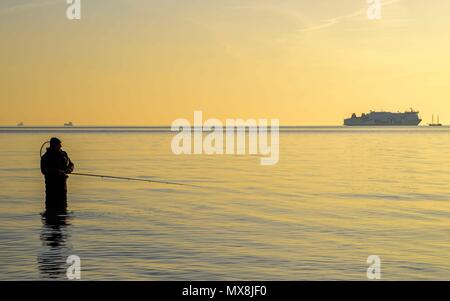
column 336, row 20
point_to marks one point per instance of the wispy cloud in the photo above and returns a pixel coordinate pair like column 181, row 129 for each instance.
column 337, row 20
column 27, row 6
column 276, row 9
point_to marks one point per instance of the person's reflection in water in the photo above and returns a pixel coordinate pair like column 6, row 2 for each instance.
column 54, row 236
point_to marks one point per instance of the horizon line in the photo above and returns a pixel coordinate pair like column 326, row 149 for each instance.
column 170, row 126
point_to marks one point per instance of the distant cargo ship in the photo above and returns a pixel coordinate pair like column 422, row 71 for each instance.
column 68, row 124
column 408, row 118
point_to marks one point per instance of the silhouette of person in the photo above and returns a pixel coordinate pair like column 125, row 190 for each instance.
column 55, row 166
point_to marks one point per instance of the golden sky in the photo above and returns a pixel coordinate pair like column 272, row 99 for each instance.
column 148, row 62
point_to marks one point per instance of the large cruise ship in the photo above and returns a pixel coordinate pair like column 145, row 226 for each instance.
column 373, row 118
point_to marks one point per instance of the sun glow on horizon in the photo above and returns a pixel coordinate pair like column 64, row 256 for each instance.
column 151, row 62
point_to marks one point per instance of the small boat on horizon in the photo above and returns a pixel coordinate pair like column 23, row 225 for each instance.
column 68, row 124
column 435, row 124
column 20, row 124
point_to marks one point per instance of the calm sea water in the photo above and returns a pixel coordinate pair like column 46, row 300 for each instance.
column 337, row 196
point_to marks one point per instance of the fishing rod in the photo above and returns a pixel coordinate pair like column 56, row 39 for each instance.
column 132, row 179
column 122, row 178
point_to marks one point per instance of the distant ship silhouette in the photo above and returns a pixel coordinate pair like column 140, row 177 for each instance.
column 68, row 124
column 374, row 118
column 435, row 124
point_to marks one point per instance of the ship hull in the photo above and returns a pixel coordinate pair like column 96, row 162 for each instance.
column 352, row 123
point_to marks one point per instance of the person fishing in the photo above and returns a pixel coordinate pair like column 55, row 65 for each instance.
column 55, row 166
